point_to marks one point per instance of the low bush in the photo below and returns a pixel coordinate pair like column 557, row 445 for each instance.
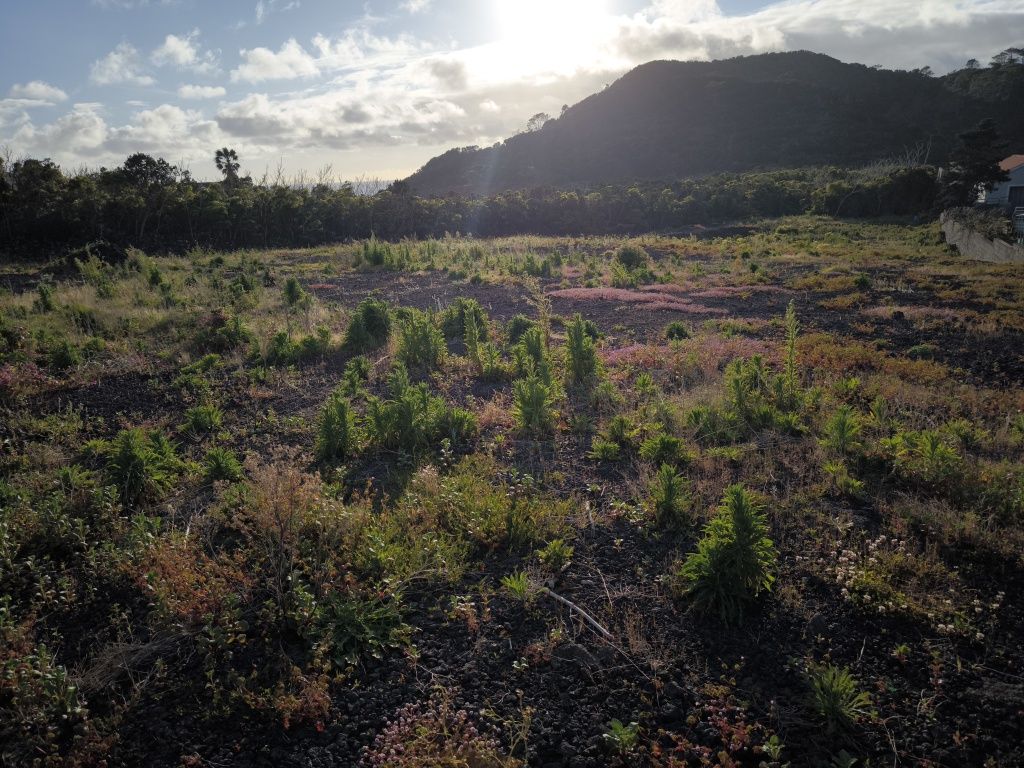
column 458, row 313
column 420, row 343
column 140, row 464
column 669, row 499
column 534, row 406
column 222, row 464
column 836, row 699
column 336, row 438
column 734, row 561
column 370, row 327
column 203, row 419
column 581, row 362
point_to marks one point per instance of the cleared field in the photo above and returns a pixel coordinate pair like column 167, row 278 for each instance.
column 750, row 500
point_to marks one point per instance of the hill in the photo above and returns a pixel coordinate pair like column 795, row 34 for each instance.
column 671, row 119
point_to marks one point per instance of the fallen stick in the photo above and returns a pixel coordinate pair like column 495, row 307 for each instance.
column 586, row 616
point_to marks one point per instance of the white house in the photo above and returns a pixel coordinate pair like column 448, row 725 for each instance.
column 1010, row 193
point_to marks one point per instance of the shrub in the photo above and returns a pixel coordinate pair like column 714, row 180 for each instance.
column 556, row 555
column 63, row 355
column 531, row 356
column 283, row 350
column 581, row 354
column 420, row 343
column 669, row 499
column 336, row 438
column 370, row 327
column 631, row 256
column 435, row 735
column 203, row 418
column 471, row 336
column 534, row 406
column 604, row 450
column 141, row 465
column 413, row 419
column 664, row 449
column 295, row 297
column 222, row 464
column 44, row 301
column 225, row 334
column 734, row 561
column 357, row 373
column 842, row 430
column 458, row 313
column 517, row 326
column 677, row 330
column 350, row 626
column 836, row 699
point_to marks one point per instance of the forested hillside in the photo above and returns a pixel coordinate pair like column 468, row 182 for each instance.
column 670, row 119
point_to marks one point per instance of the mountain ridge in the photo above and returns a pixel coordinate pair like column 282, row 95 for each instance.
column 670, row 119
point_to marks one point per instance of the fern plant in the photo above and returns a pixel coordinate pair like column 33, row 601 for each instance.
column 735, row 560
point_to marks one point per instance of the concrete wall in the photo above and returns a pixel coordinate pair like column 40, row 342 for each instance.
column 978, row 247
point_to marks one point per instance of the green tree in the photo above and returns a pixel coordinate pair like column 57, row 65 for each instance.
column 227, row 163
column 974, row 165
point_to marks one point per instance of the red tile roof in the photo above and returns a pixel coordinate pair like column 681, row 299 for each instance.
column 1013, row 161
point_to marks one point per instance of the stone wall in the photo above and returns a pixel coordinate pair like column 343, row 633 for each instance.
column 978, row 247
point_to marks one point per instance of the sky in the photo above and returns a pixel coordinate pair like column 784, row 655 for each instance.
column 374, row 89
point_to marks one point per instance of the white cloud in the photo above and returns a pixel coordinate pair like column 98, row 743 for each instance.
column 201, row 91
column 184, row 53
column 416, row 6
column 37, row 90
column 121, row 65
column 289, row 62
column 266, row 7
column 357, row 48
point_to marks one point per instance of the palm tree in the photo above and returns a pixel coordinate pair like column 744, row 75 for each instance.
column 227, row 163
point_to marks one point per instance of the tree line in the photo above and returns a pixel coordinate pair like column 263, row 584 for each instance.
column 150, row 204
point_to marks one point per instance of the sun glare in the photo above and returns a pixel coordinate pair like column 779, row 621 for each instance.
column 553, row 33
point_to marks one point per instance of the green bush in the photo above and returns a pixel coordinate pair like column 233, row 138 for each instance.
column 734, row 561
column 141, row 465
column 413, row 420
column 458, row 313
column 44, row 301
column 420, row 344
column 664, row 449
column 370, row 327
column 631, row 256
column 836, row 699
column 336, row 439
column 530, row 355
column 534, row 406
column 203, row 418
column 677, row 330
column 669, row 499
column 604, row 450
column 842, row 431
column 63, row 355
column 517, row 326
column 357, row 373
column 295, row 297
column 222, row 464
column 581, row 355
